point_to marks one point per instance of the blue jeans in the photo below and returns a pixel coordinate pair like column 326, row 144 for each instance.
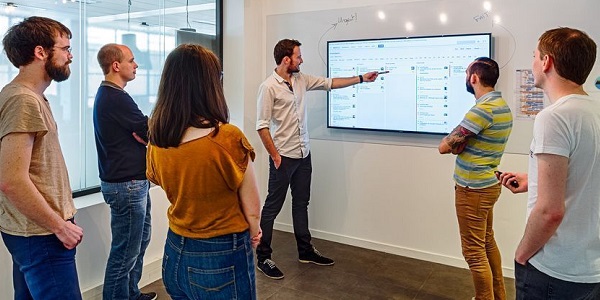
column 130, row 225
column 531, row 284
column 42, row 268
column 295, row 174
column 215, row 268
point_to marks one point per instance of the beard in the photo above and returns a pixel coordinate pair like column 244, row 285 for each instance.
column 470, row 88
column 57, row 73
column 294, row 70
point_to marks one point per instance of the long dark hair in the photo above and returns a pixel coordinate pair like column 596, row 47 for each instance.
column 190, row 94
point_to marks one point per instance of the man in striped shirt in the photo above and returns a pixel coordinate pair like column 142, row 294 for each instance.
column 479, row 141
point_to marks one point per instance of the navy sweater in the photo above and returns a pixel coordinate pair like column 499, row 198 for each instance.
column 116, row 116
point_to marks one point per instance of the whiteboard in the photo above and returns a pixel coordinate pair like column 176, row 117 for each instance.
column 515, row 26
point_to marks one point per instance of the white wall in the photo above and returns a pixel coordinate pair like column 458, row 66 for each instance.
column 393, row 198
column 397, row 199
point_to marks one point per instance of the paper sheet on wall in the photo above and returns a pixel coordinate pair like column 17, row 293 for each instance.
column 530, row 100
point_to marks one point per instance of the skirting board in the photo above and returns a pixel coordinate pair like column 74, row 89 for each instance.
column 392, row 249
column 152, row 272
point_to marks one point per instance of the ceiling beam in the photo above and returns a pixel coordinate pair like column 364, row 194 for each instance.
column 154, row 12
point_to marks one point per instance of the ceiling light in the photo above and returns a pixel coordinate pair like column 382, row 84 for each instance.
column 10, row 7
column 487, row 5
column 443, row 18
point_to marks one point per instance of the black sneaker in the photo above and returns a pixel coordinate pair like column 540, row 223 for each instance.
column 316, row 258
column 147, row 296
column 269, row 268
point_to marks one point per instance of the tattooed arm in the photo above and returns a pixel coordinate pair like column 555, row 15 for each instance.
column 455, row 141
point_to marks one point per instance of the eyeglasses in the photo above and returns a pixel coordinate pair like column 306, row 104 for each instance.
column 65, row 48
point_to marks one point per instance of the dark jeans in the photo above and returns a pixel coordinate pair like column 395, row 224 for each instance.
column 216, row 268
column 531, row 284
column 296, row 174
column 130, row 225
column 42, row 268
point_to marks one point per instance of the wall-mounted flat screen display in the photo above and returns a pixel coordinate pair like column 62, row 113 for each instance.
column 421, row 87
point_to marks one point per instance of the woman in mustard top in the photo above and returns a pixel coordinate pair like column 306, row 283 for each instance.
column 205, row 167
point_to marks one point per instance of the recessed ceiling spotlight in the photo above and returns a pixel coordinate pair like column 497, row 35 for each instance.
column 443, row 18
column 487, row 5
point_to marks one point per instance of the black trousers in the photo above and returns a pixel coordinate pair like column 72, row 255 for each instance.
column 532, row 284
column 296, row 174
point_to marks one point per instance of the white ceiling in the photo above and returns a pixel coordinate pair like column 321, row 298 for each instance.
column 201, row 13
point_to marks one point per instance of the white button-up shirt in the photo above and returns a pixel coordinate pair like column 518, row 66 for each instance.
column 284, row 111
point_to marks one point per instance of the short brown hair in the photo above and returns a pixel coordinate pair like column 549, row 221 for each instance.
column 21, row 39
column 486, row 69
column 190, row 94
column 573, row 51
column 107, row 55
column 284, row 48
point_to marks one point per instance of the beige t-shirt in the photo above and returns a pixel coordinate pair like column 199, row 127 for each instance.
column 22, row 110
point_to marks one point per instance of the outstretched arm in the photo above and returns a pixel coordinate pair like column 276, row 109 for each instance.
column 342, row 82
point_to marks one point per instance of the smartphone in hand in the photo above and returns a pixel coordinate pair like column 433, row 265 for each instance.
column 513, row 183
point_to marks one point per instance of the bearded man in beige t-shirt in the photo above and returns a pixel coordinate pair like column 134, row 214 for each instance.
column 36, row 206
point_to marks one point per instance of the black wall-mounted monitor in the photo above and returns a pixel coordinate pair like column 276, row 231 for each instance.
column 424, row 90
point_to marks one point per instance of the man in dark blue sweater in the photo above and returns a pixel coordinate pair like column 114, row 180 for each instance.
column 121, row 133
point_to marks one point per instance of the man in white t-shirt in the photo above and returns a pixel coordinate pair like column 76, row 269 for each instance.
column 559, row 255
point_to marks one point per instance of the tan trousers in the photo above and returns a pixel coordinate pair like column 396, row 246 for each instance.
column 475, row 212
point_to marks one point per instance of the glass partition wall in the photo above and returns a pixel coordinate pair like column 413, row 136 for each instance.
column 151, row 28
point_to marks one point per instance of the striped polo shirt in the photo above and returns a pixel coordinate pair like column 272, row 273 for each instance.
column 491, row 120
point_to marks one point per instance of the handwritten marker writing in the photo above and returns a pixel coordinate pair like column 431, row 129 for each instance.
column 383, row 72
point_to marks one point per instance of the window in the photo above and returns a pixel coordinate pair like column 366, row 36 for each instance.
column 150, row 28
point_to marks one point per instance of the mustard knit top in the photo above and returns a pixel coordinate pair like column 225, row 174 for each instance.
column 202, row 178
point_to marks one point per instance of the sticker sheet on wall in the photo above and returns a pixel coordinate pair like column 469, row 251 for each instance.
column 529, row 99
